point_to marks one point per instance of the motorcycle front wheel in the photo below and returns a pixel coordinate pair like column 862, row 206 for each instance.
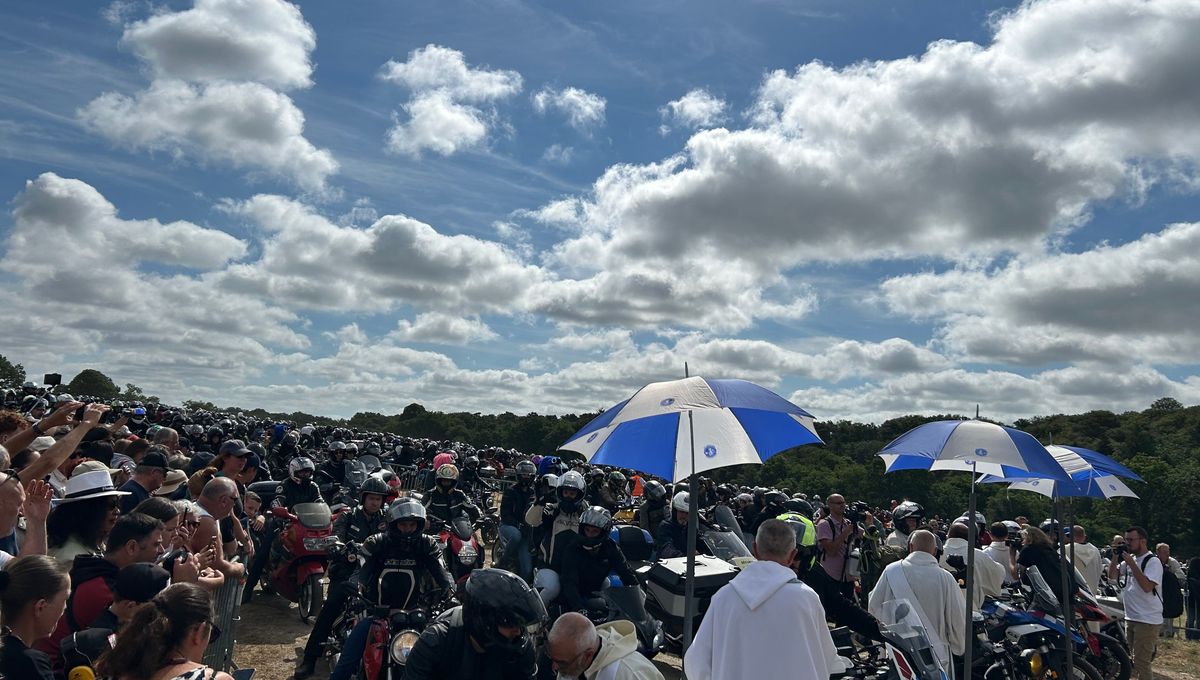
column 312, row 596
column 1114, row 662
column 1057, row 665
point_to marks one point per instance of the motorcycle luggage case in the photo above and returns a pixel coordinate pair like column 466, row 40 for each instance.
column 265, row 490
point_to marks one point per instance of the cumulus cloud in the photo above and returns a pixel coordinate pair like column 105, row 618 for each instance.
column 558, row 154
column 266, row 41
column 310, row 261
column 584, row 110
column 244, row 124
column 694, row 110
column 218, row 69
column 440, row 328
column 451, row 104
column 1112, row 303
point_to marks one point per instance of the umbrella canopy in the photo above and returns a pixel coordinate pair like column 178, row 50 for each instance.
column 970, row 445
column 1100, row 486
column 1092, row 475
column 735, row 422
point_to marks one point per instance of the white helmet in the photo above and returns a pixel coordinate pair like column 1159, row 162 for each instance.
column 681, row 501
column 297, row 464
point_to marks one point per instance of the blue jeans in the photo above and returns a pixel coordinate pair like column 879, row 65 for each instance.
column 514, row 539
column 352, row 651
column 1193, row 617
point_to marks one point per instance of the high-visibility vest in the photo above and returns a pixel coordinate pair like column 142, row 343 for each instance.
column 637, row 485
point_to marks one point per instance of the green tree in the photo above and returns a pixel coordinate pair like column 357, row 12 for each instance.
column 1166, row 404
column 11, row 375
column 93, row 383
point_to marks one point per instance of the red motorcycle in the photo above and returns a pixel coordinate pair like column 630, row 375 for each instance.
column 300, row 556
column 462, row 550
column 393, row 634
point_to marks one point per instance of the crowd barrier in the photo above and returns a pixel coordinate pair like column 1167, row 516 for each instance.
column 228, row 604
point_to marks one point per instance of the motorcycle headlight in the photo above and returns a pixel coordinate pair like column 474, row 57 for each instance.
column 467, row 555
column 402, row 644
column 320, row 542
column 1032, row 662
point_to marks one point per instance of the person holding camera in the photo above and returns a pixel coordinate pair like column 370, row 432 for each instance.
column 1140, row 574
column 835, row 534
column 1003, row 549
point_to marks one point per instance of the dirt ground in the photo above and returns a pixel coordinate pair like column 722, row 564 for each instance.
column 270, row 636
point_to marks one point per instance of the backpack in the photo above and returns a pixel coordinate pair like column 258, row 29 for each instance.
column 1169, row 591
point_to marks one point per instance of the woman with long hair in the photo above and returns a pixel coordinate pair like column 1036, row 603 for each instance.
column 33, row 596
column 1039, row 551
column 174, row 629
column 80, row 523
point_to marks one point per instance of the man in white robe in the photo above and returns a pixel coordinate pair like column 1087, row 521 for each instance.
column 764, row 623
column 939, row 602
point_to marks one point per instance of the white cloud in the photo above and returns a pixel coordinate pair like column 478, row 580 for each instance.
column 597, row 340
column 696, row 109
column 584, row 110
column 1124, row 304
column 266, row 41
column 244, row 124
column 448, row 110
column 440, row 328
column 311, row 262
column 217, row 69
column 558, row 154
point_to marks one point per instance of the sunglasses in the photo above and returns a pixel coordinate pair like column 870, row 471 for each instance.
column 11, row 474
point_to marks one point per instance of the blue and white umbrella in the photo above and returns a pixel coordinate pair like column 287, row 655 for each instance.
column 735, row 422
column 970, row 445
column 1092, row 475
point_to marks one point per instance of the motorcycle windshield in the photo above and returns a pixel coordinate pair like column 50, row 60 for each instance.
column 903, row 629
column 725, row 517
column 313, row 515
column 1043, row 596
column 462, row 528
column 629, row 600
column 371, row 463
column 356, row 473
column 726, row 545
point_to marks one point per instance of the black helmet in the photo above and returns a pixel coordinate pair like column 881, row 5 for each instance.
column 598, row 517
column 258, row 450
column 374, row 485
column 471, row 462
column 905, row 510
column 655, row 491
column 595, row 475
column 799, row 506
column 496, row 598
column 526, row 472
column 775, row 498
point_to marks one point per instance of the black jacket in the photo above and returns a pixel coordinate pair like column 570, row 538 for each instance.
column 838, row 608
column 583, row 572
column 356, row 527
column 384, row 553
column 671, row 538
column 652, row 514
column 469, row 481
column 448, row 506
column 289, row 494
column 445, row 652
column 514, row 504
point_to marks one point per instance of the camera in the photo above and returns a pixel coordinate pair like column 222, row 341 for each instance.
column 1014, row 541
column 1119, row 551
column 855, row 511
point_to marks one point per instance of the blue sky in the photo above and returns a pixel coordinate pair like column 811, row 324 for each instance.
column 873, row 208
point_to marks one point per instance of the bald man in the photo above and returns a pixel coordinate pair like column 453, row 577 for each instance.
column 931, row 592
column 578, row 649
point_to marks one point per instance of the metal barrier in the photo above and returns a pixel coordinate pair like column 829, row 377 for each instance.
column 227, row 602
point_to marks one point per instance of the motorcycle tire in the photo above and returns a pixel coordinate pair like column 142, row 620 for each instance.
column 312, row 597
column 1114, row 662
column 495, row 551
column 1057, row 668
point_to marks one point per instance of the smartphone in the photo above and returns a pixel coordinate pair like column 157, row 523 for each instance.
column 52, row 379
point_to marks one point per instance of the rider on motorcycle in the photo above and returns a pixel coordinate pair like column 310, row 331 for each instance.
column 297, row 488
column 445, row 502
column 671, row 537
column 516, row 501
column 469, row 480
column 589, row 560
column 352, row 529
column 333, row 470
column 654, row 508
column 391, row 575
column 611, row 493
column 562, row 519
column 487, row 637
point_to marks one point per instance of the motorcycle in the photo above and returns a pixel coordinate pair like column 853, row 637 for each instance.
column 461, row 549
column 300, row 556
column 628, row 603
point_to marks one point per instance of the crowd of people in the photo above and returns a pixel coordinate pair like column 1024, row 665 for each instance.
column 120, row 517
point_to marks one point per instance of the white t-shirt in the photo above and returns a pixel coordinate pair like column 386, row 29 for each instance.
column 1141, row 606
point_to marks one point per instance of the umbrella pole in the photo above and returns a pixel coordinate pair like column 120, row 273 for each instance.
column 1066, row 600
column 972, row 536
column 693, row 527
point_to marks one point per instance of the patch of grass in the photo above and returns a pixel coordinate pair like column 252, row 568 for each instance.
column 1178, row 658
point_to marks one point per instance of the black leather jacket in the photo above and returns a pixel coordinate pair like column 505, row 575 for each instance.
column 356, row 527
column 445, row 652
column 448, row 506
column 289, row 494
column 584, row 572
column 384, row 553
column 515, row 503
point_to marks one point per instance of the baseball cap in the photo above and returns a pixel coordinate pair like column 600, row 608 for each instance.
column 234, row 447
column 140, row 582
column 154, row 459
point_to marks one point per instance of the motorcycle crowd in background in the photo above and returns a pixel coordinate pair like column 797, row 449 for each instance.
column 421, row 559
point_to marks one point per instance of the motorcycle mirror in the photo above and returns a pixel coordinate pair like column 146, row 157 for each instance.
column 280, row 512
column 901, row 611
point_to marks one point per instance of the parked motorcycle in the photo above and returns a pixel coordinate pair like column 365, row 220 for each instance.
column 300, row 556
